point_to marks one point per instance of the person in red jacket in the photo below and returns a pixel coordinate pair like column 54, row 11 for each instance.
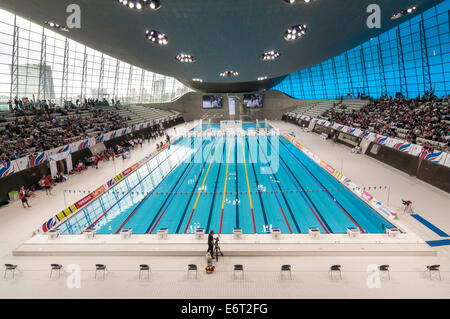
column 23, row 197
column 47, row 185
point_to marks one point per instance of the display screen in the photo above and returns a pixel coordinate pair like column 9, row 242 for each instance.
column 212, row 101
column 253, row 100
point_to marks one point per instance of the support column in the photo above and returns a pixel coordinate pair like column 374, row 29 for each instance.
column 363, row 67
column 401, row 64
column 100, row 78
column 65, row 74
column 336, row 83
column 141, row 87
column 322, row 77
column 130, row 78
column 14, row 89
column 84, row 76
column 116, row 80
column 425, row 61
column 381, row 69
column 42, row 87
column 349, row 76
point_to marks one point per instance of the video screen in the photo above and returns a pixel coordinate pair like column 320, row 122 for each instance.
column 253, row 100
column 212, row 101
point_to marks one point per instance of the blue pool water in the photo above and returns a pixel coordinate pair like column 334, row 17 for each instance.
column 222, row 183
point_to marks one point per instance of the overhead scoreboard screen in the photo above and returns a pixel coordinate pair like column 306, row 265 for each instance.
column 212, row 101
column 253, row 100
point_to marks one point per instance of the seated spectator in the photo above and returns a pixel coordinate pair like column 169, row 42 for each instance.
column 410, row 119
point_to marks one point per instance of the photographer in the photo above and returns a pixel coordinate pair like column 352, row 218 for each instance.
column 211, row 244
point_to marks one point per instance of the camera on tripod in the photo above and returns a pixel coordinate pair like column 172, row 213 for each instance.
column 406, row 202
column 217, row 250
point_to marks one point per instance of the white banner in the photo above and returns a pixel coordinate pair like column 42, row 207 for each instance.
column 232, row 105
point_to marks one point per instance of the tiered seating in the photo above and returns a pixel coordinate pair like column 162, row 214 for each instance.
column 421, row 121
column 319, row 108
column 33, row 133
column 141, row 113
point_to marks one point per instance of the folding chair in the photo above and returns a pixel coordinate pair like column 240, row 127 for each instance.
column 192, row 267
column 102, row 268
column 384, row 269
column 238, row 268
column 10, row 267
column 434, row 268
column 55, row 267
column 335, row 268
column 143, row 268
column 285, row 268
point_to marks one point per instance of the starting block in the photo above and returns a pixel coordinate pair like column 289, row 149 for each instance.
column 199, row 233
column 53, row 233
column 393, row 232
column 126, row 233
column 237, row 233
column 276, row 233
column 314, row 232
column 162, row 233
column 89, row 234
column 353, row 232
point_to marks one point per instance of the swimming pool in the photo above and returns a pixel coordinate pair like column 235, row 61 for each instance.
column 220, row 183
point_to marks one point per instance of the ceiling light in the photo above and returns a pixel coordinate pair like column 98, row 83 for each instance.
column 295, row 32
column 261, row 78
column 296, row 1
column 141, row 4
column 402, row 13
column 229, row 74
column 156, row 35
column 57, row 26
column 185, row 58
column 271, row 55
column 197, row 80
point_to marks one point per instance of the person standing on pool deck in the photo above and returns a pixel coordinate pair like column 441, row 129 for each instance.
column 23, row 197
column 211, row 244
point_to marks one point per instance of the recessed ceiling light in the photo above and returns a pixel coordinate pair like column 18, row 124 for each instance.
column 402, row 13
column 262, row 78
column 185, row 58
column 297, row 1
column 156, row 37
column 57, row 26
column 295, row 32
column 141, row 4
column 270, row 55
column 197, row 80
column 229, row 74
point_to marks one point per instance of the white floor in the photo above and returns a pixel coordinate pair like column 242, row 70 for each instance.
column 262, row 277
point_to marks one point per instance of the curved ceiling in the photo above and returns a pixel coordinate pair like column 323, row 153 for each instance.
column 221, row 34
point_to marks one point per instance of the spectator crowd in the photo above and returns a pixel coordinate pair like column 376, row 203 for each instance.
column 424, row 120
column 39, row 129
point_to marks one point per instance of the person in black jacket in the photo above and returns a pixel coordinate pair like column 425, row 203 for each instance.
column 211, row 244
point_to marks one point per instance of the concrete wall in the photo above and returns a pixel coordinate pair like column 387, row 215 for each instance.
column 275, row 104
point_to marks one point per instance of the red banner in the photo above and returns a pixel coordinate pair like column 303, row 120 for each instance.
column 84, row 201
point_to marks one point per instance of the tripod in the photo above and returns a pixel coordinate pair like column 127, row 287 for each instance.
column 217, row 250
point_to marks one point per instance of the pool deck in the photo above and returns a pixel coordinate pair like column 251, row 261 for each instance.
column 250, row 245
column 262, row 273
